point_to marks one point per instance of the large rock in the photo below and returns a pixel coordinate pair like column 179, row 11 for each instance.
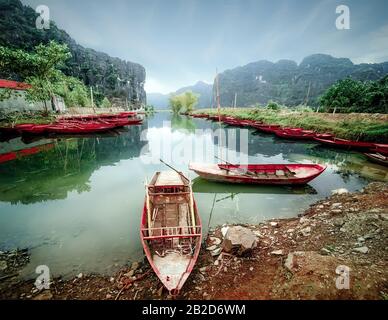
column 239, row 240
column 3, row 265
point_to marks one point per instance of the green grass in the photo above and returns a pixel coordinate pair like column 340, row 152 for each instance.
column 347, row 127
column 15, row 118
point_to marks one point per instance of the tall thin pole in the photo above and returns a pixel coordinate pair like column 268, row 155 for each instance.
column 91, row 97
column 219, row 115
column 218, row 95
column 235, row 100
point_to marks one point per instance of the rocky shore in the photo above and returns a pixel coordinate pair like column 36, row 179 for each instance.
column 297, row 258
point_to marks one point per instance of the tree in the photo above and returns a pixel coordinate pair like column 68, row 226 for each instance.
column 350, row 95
column 105, row 103
column 73, row 91
column 41, row 69
column 183, row 102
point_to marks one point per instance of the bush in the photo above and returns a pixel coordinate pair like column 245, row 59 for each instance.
column 272, row 105
column 303, row 108
column 105, row 103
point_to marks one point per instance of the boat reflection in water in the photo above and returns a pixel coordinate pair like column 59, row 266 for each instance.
column 201, row 185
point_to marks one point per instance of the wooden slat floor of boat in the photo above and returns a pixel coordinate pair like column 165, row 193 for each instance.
column 168, row 178
column 171, row 215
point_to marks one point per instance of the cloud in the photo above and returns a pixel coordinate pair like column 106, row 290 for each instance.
column 153, row 85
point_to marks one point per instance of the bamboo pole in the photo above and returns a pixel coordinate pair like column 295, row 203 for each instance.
column 218, row 96
column 193, row 222
column 148, row 209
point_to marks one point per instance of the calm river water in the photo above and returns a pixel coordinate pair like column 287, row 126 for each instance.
column 77, row 204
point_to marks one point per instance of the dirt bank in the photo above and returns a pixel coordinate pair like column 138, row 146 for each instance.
column 294, row 259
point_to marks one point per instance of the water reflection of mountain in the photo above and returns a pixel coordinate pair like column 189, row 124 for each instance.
column 50, row 175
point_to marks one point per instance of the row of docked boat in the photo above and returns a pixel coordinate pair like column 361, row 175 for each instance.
column 171, row 229
column 376, row 152
column 77, row 124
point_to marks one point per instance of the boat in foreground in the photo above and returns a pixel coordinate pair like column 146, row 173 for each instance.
column 279, row 174
column 170, row 229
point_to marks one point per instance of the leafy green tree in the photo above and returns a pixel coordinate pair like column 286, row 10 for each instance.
column 73, row 91
column 41, row 69
column 183, row 102
column 349, row 95
column 105, row 103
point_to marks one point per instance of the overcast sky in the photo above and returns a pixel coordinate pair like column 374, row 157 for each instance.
column 182, row 41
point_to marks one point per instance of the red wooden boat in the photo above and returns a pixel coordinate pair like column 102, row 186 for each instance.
column 36, row 129
column 380, row 148
column 170, row 229
column 281, row 174
column 268, row 128
column 296, row 134
column 127, row 114
column 324, row 135
column 78, row 128
column 121, row 121
column 231, row 122
column 377, row 158
column 343, row 143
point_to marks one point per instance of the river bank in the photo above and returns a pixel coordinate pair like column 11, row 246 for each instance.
column 354, row 126
column 40, row 117
column 293, row 258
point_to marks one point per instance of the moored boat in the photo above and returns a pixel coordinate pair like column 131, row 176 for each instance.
column 267, row 128
column 170, row 229
column 380, row 148
column 282, row 174
column 35, row 129
column 377, row 158
column 296, row 134
column 343, row 143
column 77, row 128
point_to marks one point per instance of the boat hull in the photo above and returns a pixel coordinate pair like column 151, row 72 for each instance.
column 305, row 173
column 163, row 247
column 377, row 158
column 345, row 144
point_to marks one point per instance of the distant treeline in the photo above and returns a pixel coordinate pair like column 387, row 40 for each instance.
column 349, row 95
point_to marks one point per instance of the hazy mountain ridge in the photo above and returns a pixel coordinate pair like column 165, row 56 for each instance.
column 289, row 83
column 112, row 76
column 204, row 90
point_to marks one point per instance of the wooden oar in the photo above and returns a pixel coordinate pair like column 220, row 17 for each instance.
column 248, row 172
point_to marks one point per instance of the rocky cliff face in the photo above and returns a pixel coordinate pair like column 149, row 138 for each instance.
column 110, row 76
column 291, row 84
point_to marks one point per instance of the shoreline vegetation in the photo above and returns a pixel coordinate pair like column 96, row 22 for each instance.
column 293, row 258
column 371, row 127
